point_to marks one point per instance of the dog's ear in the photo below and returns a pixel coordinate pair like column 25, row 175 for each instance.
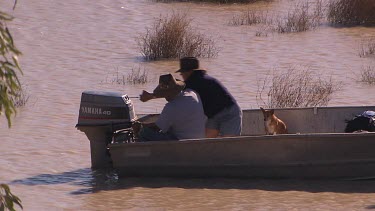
column 262, row 109
column 272, row 111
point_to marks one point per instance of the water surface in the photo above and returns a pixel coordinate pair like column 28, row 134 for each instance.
column 70, row 46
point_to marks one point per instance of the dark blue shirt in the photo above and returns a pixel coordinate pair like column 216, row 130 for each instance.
column 215, row 97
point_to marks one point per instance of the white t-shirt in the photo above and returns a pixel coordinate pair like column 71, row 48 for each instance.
column 183, row 116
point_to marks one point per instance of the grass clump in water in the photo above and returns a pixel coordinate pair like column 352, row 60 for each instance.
column 250, row 17
column 173, row 37
column 215, row 1
column 351, row 12
column 301, row 18
column 21, row 97
column 136, row 76
column 368, row 75
column 296, row 88
column 367, row 47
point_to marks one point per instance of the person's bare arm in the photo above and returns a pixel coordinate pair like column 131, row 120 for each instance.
column 137, row 126
column 152, row 126
column 146, row 96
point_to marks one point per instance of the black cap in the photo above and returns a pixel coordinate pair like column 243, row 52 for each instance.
column 188, row 63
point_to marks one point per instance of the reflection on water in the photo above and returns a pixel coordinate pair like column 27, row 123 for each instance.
column 70, row 46
column 93, row 180
column 93, row 185
column 107, row 179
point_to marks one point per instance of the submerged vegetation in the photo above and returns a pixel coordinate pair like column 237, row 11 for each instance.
column 367, row 47
column 173, row 37
column 368, row 74
column 295, row 88
column 351, row 12
column 214, row 1
column 302, row 17
column 21, row 97
column 308, row 15
column 136, row 76
column 251, row 17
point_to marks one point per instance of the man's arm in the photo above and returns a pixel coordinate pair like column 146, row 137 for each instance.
column 151, row 126
column 146, row 96
column 137, row 126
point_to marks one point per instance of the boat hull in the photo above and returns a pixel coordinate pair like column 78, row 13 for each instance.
column 324, row 155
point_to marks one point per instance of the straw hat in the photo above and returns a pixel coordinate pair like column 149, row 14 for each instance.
column 168, row 86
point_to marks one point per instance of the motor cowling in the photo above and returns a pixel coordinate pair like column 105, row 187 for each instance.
column 99, row 108
column 105, row 117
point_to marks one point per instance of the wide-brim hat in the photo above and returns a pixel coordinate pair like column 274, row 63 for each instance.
column 188, row 63
column 168, row 86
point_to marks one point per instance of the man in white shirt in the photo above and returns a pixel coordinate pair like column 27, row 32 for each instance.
column 182, row 117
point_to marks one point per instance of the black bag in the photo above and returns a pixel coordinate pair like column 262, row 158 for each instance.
column 365, row 121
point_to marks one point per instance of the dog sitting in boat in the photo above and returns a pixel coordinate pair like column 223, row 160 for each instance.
column 272, row 124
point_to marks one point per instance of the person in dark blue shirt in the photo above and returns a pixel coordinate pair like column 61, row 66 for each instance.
column 223, row 113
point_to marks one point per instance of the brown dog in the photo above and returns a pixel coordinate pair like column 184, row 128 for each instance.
column 272, row 124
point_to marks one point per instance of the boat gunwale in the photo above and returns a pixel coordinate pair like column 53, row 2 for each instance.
column 268, row 165
column 290, row 108
column 245, row 138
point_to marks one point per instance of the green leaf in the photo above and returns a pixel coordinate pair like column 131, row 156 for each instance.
column 18, row 202
column 15, row 60
column 6, row 188
column 9, row 35
column 9, row 82
column 9, row 203
column 5, row 17
column 7, row 199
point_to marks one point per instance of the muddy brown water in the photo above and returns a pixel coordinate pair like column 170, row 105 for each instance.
column 70, row 46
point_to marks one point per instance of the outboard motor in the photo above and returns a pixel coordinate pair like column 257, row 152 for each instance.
column 105, row 117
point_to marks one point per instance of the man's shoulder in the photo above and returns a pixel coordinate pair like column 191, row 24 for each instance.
column 190, row 93
column 182, row 97
column 201, row 82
